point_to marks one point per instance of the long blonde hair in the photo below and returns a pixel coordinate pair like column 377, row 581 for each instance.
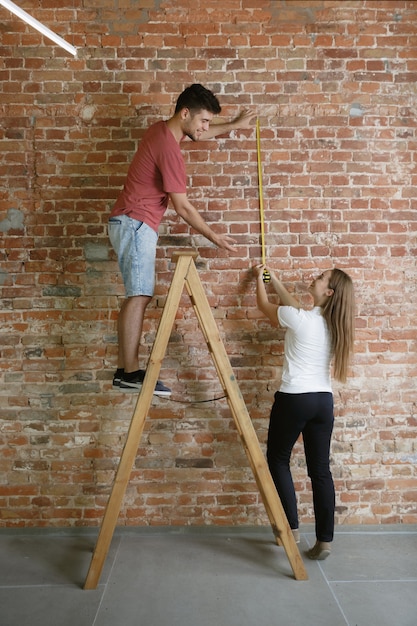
column 339, row 313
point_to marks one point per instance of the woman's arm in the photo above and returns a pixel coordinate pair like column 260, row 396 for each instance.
column 285, row 298
column 269, row 309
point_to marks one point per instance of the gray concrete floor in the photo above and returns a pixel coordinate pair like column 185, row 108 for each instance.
column 208, row 577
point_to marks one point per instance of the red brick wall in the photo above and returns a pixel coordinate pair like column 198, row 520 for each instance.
column 334, row 84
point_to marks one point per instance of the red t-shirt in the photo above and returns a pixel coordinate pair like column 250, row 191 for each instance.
column 157, row 169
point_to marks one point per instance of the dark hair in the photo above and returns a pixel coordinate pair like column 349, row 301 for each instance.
column 339, row 313
column 196, row 98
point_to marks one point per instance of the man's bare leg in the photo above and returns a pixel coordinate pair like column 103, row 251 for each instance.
column 129, row 328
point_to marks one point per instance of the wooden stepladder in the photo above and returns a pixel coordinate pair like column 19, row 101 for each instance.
column 186, row 272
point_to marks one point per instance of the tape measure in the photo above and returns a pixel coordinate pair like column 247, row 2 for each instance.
column 266, row 276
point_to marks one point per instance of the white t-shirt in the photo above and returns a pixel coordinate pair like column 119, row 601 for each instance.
column 307, row 350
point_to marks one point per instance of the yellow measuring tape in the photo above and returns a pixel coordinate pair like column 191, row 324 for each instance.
column 266, row 277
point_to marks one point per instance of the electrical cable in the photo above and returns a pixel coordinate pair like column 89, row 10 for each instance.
column 193, row 401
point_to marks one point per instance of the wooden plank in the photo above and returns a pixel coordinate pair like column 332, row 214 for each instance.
column 244, row 425
column 137, row 423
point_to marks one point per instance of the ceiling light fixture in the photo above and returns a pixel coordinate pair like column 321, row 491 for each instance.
column 38, row 26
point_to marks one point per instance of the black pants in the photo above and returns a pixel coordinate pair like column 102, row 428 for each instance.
column 312, row 415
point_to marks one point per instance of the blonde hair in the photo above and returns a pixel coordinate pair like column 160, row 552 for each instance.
column 339, row 313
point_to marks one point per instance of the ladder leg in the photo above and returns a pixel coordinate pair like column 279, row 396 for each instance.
column 244, row 425
column 137, row 423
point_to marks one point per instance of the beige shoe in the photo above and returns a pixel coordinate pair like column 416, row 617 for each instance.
column 320, row 551
column 296, row 534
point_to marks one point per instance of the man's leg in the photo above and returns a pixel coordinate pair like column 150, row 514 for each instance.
column 135, row 245
column 129, row 328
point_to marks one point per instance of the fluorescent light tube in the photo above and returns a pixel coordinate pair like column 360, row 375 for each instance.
column 38, row 26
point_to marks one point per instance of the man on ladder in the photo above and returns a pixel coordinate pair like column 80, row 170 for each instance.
column 156, row 175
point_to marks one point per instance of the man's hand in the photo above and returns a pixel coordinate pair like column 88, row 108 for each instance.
column 225, row 241
column 244, row 119
column 189, row 214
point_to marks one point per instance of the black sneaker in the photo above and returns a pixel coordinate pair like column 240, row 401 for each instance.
column 136, row 384
column 161, row 390
column 117, row 378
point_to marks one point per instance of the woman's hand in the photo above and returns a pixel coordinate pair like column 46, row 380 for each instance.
column 260, row 270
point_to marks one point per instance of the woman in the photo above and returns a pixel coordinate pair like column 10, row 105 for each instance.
column 304, row 403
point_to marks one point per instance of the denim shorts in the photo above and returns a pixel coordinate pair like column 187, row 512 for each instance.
column 135, row 245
